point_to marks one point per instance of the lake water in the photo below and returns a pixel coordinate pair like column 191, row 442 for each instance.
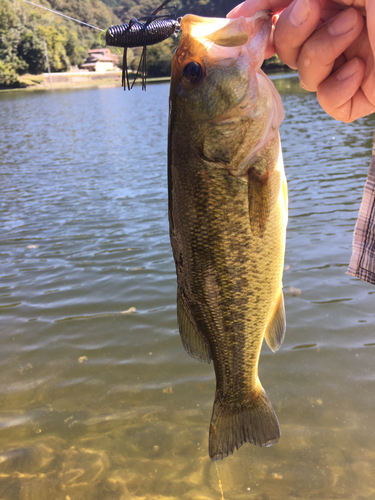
column 98, row 399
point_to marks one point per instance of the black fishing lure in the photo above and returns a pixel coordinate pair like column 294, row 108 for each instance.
column 154, row 29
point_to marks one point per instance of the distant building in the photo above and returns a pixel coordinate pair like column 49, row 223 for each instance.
column 100, row 60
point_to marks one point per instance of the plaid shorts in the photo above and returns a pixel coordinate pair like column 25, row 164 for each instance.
column 362, row 262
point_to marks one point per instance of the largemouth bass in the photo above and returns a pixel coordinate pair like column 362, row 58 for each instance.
column 228, row 215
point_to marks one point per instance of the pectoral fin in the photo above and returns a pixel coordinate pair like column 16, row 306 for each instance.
column 276, row 329
column 194, row 343
column 259, row 201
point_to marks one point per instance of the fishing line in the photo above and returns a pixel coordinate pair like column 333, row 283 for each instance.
column 63, row 15
column 220, row 485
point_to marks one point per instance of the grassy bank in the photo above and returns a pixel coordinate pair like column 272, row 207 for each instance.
column 74, row 81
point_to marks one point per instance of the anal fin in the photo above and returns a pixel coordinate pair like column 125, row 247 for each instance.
column 276, row 329
column 192, row 340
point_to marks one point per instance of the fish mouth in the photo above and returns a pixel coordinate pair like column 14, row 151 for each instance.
column 223, row 31
column 220, row 42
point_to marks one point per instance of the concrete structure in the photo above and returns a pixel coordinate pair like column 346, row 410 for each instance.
column 100, row 60
column 81, row 78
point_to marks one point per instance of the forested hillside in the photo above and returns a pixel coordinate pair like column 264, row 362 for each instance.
column 23, row 29
column 139, row 8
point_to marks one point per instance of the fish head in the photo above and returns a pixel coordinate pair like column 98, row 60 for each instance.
column 219, row 91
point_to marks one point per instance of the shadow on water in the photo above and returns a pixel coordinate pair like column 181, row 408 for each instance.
column 98, row 398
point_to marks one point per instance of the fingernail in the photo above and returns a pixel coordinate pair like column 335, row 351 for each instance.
column 348, row 70
column 344, row 23
column 300, row 12
column 303, row 85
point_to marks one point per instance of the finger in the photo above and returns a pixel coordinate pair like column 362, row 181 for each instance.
column 357, row 4
column 293, row 28
column 270, row 50
column 319, row 53
column 362, row 49
column 368, row 84
column 340, row 61
column 251, row 7
column 340, row 94
column 371, row 25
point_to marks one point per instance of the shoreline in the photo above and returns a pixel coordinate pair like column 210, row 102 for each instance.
column 77, row 81
column 74, row 81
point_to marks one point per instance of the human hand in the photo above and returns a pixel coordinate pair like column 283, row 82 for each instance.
column 332, row 47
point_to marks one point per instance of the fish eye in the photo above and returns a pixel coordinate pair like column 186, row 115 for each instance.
column 193, row 72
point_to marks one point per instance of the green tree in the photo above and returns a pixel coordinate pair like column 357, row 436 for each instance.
column 10, row 36
column 127, row 9
column 55, row 41
column 7, row 15
column 31, row 50
column 111, row 3
column 159, row 58
column 75, row 49
column 8, row 76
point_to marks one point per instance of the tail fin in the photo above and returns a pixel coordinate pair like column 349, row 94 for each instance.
column 232, row 426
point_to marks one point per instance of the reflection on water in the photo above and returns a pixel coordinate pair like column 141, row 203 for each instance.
column 98, row 398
